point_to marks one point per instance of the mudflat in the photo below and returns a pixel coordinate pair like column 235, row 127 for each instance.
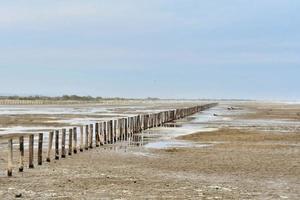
column 238, row 161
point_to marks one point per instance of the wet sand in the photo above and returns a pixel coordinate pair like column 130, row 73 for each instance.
column 241, row 162
column 19, row 119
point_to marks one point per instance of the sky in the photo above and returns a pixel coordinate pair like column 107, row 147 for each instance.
column 247, row 49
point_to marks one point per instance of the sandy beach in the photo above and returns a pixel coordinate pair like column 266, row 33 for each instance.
column 238, row 150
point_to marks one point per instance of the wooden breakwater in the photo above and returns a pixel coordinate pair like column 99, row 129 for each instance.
column 65, row 142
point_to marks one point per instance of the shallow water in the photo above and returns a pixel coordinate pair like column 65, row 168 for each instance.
column 164, row 137
column 174, row 143
column 65, row 115
column 210, row 120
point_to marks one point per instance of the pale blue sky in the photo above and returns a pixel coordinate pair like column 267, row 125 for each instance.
column 158, row 48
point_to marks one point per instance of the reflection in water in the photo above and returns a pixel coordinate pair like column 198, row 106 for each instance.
column 172, row 125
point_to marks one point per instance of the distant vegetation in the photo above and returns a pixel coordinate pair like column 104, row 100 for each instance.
column 67, row 98
column 90, row 98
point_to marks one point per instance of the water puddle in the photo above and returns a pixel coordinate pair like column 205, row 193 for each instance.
column 174, row 144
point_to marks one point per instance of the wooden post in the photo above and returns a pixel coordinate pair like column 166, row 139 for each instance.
column 121, row 136
column 91, row 136
column 75, row 140
column 57, row 145
column 105, row 132
column 70, row 141
column 97, row 138
column 81, row 138
column 132, row 126
column 123, row 129
column 50, row 139
column 101, row 136
column 108, row 130
column 111, row 132
column 115, row 132
column 126, row 128
column 40, row 149
column 86, row 137
column 129, row 128
column 21, row 149
column 10, row 157
column 119, row 130
column 31, row 151
column 63, row 143
column 142, row 122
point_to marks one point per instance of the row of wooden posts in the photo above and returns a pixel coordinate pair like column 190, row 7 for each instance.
column 93, row 135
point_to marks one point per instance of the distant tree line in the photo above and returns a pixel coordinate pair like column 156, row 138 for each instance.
column 67, row 98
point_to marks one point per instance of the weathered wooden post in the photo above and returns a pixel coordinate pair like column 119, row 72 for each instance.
column 40, row 149
column 105, row 132
column 10, row 157
column 91, row 136
column 145, row 122
column 86, row 137
column 134, row 125
column 122, row 129
column 50, row 139
column 130, row 127
column 75, row 140
column 63, row 143
column 56, row 144
column 70, row 141
column 97, row 138
column 31, row 151
column 126, row 129
column 117, row 129
column 111, row 132
column 101, row 136
column 108, row 134
column 114, row 134
column 81, row 138
column 21, row 149
column 122, row 136
column 138, row 124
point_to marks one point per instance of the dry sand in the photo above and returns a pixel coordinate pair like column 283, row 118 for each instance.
column 240, row 164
